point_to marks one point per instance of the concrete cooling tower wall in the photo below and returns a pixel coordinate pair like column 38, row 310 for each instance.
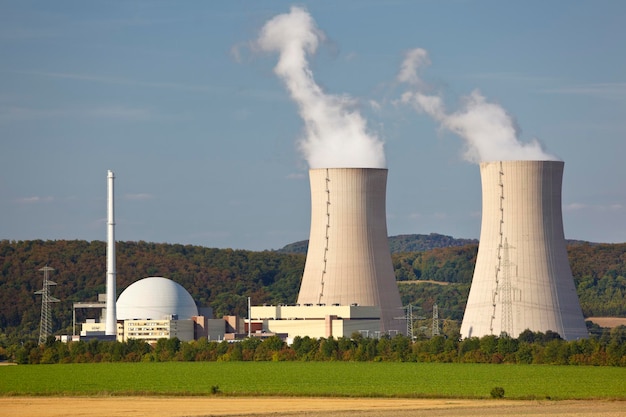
column 348, row 260
column 522, row 279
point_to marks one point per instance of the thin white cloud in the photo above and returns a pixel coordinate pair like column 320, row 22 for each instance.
column 18, row 33
column 603, row 90
column 209, row 235
column 574, row 206
column 237, row 50
column 121, row 113
column 510, row 76
column 241, row 114
column 34, row 200
column 114, row 112
column 594, row 207
column 375, row 105
column 138, row 196
column 120, row 81
column 351, row 56
column 18, row 113
column 296, row 176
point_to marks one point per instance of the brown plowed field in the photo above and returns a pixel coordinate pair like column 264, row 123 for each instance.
column 608, row 321
column 305, row 407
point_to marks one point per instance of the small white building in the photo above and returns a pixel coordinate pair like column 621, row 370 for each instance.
column 317, row 321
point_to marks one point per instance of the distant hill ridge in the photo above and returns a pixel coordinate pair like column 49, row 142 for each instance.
column 399, row 244
column 411, row 243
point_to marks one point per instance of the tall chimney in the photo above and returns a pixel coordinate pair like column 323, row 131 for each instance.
column 348, row 260
column 111, row 316
column 522, row 278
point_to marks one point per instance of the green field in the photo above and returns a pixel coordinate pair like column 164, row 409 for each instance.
column 354, row 379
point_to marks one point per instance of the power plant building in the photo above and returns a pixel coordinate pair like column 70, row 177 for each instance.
column 155, row 298
column 155, row 307
column 318, row 321
column 522, row 278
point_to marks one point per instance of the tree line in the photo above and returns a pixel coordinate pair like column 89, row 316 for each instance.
column 530, row 348
column 224, row 278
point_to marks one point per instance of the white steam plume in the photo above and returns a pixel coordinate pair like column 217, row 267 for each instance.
column 336, row 135
column 488, row 130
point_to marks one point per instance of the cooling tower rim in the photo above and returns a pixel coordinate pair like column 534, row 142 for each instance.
column 524, row 162
column 348, row 169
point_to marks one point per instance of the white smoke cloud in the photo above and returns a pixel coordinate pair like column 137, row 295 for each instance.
column 335, row 133
column 488, row 130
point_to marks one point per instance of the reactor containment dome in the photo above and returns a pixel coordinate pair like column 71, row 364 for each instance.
column 155, row 298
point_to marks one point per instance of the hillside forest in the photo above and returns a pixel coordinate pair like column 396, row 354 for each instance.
column 224, row 278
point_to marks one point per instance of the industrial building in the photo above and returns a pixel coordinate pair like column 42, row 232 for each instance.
column 318, row 321
column 149, row 309
column 522, row 278
column 154, row 308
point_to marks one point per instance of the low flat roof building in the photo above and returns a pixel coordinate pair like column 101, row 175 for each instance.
column 317, row 321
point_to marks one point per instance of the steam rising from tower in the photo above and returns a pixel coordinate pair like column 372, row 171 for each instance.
column 348, row 260
column 488, row 130
column 111, row 316
column 336, row 134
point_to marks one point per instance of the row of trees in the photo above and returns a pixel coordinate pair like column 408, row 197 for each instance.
column 530, row 348
column 224, row 278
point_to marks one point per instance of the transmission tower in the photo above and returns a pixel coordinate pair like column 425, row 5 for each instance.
column 506, row 325
column 409, row 321
column 45, row 327
column 435, row 320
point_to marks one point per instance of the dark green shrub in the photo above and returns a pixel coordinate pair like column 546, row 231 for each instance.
column 497, row 392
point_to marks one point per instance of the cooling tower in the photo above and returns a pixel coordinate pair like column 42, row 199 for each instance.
column 348, row 260
column 522, row 279
column 111, row 316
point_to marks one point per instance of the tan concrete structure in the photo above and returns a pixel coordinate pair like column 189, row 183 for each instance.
column 319, row 321
column 348, row 261
column 522, row 279
column 153, row 330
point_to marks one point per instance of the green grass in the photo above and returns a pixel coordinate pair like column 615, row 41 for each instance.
column 356, row 379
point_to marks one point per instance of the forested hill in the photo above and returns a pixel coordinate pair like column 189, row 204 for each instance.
column 224, row 278
column 399, row 244
column 413, row 243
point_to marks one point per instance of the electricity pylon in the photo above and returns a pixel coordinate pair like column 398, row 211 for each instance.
column 45, row 326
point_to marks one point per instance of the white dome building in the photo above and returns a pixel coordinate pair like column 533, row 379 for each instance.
column 156, row 307
column 155, row 298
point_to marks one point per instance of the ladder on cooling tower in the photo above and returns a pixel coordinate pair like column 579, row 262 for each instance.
column 319, row 301
column 494, row 295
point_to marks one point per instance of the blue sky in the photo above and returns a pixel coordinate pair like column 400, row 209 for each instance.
column 201, row 133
